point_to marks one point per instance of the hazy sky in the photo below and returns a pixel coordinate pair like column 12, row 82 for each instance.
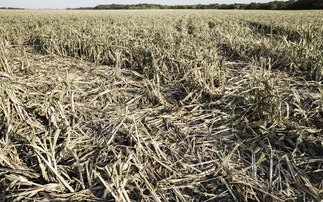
column 61, row 4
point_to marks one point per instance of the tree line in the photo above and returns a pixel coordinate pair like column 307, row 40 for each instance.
column 274, row 5
column 11, row 8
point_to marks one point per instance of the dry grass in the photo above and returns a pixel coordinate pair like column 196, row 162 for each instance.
column 174, row 106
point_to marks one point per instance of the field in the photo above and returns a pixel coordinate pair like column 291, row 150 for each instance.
column 172, row 105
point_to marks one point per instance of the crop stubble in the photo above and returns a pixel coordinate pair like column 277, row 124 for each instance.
column 161, row 105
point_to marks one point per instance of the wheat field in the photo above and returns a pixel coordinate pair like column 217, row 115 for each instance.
column 171, row 105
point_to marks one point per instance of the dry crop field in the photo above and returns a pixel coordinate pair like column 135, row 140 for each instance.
column 161, row 105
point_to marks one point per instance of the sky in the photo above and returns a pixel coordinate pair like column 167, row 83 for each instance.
column 62, row 4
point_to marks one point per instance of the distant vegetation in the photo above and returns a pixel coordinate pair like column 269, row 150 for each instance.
column 274, row 5
column 11, row 8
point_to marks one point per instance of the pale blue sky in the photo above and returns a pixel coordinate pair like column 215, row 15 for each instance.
column 61, row 4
